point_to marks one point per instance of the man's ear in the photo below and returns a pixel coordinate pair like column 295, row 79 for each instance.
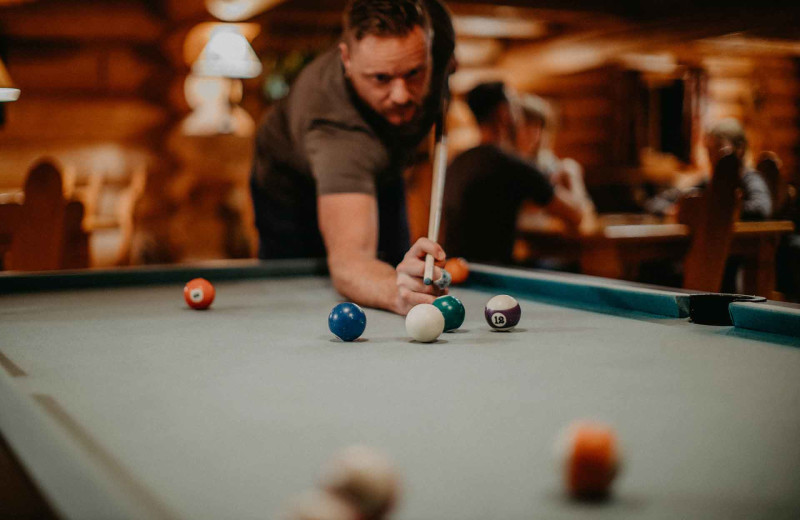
column 538, row 131
column 344, row 50
column 503, row 115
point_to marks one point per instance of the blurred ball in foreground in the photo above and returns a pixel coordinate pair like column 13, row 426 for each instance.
column 590, row 459
column 366, row 478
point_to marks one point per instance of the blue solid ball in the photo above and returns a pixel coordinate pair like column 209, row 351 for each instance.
column 347, row 321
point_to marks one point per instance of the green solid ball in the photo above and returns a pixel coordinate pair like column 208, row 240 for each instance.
column 452, row 309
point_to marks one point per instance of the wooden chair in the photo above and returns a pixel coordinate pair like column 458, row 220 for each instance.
column 10, row 213
column 46, row 229
column 711, row 219
column 75, row 250
column 37, row 242
column 769, row 167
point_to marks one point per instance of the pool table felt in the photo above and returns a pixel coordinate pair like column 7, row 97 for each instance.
column 228, row 413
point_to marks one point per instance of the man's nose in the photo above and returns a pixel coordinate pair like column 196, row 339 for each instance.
column 400, row 94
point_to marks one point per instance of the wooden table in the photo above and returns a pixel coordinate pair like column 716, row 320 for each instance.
column 620, row 243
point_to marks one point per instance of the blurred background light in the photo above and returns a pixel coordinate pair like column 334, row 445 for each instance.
column 227, row 54
column 8, row 92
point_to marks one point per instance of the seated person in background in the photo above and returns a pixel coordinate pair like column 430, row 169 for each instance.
column 486, row 185
column 724, row 137
column 537, row 119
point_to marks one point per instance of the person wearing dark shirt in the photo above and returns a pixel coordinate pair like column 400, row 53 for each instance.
column 486, row 185
column 327, row 174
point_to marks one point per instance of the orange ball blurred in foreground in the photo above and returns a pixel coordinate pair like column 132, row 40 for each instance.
column 591, row 459
column 198, row 293
column 458, row 269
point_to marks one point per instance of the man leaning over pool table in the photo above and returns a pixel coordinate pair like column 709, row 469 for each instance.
column 327, row 174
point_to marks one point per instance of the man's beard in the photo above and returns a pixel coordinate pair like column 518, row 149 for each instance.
column 409, row 125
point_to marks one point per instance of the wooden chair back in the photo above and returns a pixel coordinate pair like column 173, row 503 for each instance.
column 46, row 230
column 37, row 243
column 690, row 208
column 75, row 250
column 10, row 215
column 712, row 227
column 769, row 167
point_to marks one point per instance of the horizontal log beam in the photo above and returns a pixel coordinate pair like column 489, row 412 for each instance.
column 120, row 21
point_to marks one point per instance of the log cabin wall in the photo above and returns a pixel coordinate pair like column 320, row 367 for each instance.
column 103, row 91
column 586, row 126
column 601, row 112
column 763, row 92
column 93, row 96
column 85, row 79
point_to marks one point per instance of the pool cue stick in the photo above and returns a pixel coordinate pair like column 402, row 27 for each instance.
column 437, row 189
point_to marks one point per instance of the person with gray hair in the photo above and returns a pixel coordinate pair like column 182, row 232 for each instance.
column 722, row 138
column 534, row 129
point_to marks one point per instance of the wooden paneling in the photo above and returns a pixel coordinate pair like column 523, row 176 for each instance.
column 584, row 108
column 50, row 118
column 82, row 21
column 584, row 125
column 112, row 71
column 80, row 69
column 764, row 93
column 596, row 81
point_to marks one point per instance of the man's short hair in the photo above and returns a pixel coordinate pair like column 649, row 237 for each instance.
column 484, row 99
column 536, row 109
column 732, row 131
column 384, row 18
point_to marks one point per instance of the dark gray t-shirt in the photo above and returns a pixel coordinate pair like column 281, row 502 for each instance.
column 756, row 198
column 323, row 139
column 484, row 190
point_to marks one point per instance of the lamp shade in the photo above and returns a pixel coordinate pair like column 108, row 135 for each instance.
column 7, row 90
column 227, row 54
column 237, row 10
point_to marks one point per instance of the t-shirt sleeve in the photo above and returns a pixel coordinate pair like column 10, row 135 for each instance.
column 533, row 183
column 344, row 160
column 756, row 198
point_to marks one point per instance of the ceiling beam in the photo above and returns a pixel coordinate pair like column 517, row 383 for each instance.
column 81, row 21
column 586, row 50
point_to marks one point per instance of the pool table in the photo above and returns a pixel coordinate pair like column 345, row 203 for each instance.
column 118, row 401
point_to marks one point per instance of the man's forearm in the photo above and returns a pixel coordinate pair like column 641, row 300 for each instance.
column 566, row 207
column 367, row 281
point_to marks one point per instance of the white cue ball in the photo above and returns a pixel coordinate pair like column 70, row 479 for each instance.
column 425, row 323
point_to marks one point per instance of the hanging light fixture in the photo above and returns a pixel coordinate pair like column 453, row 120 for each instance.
column 8, row 92
column 237, row 10
column 227, row 54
